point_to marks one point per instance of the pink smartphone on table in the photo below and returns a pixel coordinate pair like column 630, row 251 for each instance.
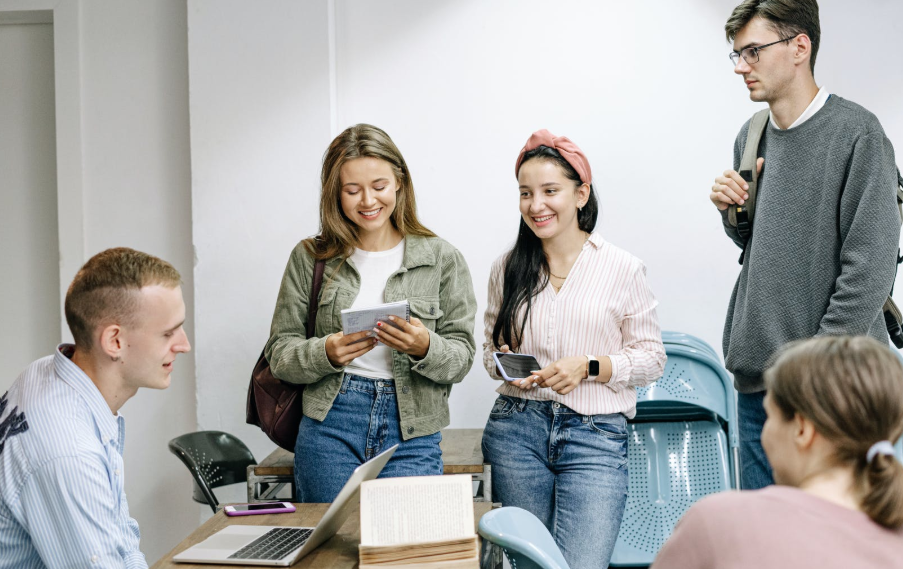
column 262, row 508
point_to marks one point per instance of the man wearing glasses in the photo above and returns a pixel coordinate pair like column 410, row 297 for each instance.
column 820, row 259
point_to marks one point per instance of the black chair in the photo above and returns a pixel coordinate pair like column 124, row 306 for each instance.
column 214, row 459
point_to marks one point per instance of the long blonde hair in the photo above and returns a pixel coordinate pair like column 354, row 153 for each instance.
column 338, row 234
column 851, row 389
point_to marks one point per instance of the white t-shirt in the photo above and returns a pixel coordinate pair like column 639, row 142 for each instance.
column 375, row 269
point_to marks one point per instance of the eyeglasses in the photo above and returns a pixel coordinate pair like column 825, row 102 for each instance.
column 751, row 54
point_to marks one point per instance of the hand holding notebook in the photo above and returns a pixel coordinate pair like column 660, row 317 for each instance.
column 361, row 319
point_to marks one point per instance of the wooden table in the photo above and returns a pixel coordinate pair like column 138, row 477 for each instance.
column 339, row 552
column 461, row 454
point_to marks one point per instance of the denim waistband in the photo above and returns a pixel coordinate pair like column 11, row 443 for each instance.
column 556, row 408
column 368, row 384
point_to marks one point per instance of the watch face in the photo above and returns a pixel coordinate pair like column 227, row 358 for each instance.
column 594, row 367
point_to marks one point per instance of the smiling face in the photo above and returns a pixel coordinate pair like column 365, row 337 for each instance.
column 368, row 194
column 548, row 199
column 150, row 345
column 770, row 78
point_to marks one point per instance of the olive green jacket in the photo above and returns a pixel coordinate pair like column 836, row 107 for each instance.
column 433, row 277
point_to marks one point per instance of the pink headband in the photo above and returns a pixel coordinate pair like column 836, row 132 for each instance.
column 568, row 150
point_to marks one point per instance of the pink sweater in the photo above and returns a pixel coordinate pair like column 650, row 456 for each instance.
column 778, row 527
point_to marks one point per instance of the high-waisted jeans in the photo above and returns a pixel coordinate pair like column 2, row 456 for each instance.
column 568, row 469
column 362, row 422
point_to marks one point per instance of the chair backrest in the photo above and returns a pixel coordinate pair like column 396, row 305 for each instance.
column 525, row 540
column 693, row 380
column 670, row 337
column 215, row 459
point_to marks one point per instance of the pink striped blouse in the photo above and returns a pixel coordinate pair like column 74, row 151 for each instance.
column 604, row 308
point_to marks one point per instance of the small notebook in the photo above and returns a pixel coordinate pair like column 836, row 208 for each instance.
column 360, row 319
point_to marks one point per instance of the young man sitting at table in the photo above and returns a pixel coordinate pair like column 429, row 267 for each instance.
column 62, row 502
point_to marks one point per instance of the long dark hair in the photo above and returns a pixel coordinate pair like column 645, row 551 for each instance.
column 526, row 267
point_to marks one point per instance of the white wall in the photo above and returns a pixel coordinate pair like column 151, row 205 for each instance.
column 645, row 88
column 29, row 289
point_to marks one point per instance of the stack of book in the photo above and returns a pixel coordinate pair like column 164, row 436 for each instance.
column 421, row 522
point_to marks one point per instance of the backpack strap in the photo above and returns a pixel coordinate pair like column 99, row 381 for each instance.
column 741, row 216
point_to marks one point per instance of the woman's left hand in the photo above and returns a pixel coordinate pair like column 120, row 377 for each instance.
column 563, row 375
column 411, row 338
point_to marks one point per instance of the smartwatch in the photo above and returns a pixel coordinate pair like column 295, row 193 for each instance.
column 592, row 367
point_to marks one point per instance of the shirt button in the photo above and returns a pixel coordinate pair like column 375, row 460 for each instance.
column 116, row 472
column 421, row 366
column 405, row 389
column 432, row 309
column 410, row 430
column 93, row 559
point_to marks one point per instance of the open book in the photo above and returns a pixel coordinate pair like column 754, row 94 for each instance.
column 418, row 521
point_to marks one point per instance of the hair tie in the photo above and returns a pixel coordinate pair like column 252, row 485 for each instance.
column 881, row 447
column 568, row 150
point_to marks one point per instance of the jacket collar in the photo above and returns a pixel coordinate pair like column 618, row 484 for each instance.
column 417, row 253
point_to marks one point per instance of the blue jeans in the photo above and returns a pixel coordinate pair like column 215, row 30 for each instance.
column 362, row 422
column 755, row 471
column 568, row 469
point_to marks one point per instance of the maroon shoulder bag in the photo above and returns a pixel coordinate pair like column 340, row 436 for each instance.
column 275, row 405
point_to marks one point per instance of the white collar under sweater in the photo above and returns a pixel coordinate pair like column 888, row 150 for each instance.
column 817, row 103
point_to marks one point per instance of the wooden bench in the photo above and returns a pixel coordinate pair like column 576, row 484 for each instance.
column 461, row 454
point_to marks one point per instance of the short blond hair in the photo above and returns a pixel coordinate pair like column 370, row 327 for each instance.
column 105, row 290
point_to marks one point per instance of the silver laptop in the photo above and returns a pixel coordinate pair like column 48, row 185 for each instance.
column 280, row 546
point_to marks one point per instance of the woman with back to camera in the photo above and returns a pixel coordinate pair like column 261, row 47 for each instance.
column 557, row 440
column 834, row 404
column 362, row 395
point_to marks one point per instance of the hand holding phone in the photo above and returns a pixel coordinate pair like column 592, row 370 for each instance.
column 261, row 508
column 514, row 367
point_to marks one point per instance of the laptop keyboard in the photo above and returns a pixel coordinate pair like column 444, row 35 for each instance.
column 274, row 544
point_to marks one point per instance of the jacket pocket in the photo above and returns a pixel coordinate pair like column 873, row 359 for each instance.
column 328, row 315
column 426, row 309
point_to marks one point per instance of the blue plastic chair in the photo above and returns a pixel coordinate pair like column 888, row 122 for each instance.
column 524, row 539
column 669, row 337
column 683, row 444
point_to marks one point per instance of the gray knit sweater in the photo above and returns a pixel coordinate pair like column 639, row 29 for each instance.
column 825, row 234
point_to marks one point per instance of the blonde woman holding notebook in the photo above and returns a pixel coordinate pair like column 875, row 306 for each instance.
column 557, row 440
column 364, row 394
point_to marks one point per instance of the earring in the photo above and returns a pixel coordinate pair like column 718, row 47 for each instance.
column 115, row 359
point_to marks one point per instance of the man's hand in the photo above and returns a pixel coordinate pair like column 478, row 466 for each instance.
column 341, row 349
column 731, row 188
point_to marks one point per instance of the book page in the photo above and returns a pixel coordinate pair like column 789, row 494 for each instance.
column 360, row 319
column 416, row 508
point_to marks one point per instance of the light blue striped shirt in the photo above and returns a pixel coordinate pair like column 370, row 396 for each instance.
column 62, row 501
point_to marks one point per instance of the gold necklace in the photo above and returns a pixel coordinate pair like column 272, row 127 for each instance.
column 566, row 276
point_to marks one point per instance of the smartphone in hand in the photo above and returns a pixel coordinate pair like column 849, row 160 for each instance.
column 513, row 366
column 261, row 508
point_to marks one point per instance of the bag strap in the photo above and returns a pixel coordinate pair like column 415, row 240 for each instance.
column 313, row 303
column 741, row 216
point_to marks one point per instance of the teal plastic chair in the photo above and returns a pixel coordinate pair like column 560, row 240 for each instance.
column 688, row 340
column 524, row 539
column 682, row 445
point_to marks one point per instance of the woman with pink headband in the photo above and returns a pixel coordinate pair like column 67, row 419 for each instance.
column 557, row 439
